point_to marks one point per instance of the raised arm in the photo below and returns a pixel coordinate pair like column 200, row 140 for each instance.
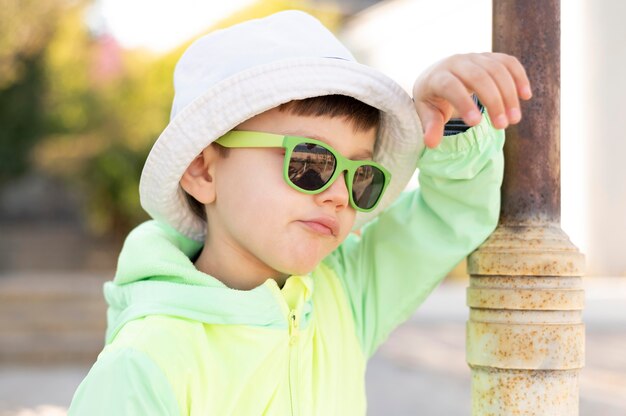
column 402, row 255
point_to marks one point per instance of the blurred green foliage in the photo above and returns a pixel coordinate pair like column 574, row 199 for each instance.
column 20, row 117
column 76, row 106
column 25, row 30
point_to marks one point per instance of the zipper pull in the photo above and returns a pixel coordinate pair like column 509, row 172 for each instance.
column 293, row 327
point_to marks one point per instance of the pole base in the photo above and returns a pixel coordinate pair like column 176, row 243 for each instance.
column 525, row 337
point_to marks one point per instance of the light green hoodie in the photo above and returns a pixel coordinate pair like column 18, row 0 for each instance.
column 180, row 342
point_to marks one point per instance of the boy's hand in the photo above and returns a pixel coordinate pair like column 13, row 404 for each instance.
column 445, row 89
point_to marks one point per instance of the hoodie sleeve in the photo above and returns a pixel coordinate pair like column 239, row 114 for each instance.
column 403, row 254
column 124, row 382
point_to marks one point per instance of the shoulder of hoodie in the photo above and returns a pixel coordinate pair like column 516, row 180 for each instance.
column 176, row 346
column 169, row 341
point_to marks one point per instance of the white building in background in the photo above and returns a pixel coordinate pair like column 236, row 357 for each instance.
column 403, row 37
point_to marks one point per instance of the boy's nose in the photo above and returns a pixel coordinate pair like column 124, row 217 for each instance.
column 336, row 194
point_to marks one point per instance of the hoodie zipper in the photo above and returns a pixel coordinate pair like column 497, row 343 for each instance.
column 293, row 361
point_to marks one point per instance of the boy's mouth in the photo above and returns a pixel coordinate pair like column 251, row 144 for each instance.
column 323, row 225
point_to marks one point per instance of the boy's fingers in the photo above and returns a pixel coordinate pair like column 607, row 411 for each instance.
column 505, row 83
column 433, row 134
column 516, row 69
column 499, row 80
column 432, row 122
column 455, row 92
column 477, row 79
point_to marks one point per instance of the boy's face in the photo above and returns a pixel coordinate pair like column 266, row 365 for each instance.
column 266, row 222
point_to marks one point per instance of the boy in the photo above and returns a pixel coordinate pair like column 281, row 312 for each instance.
column 247, row 294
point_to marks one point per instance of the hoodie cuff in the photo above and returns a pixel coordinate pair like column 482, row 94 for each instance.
column 463, row 155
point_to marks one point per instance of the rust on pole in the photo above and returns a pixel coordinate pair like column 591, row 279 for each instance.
column 530, row 30
column 525, row 336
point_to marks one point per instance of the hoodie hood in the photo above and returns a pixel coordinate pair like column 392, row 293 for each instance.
column 155, row 276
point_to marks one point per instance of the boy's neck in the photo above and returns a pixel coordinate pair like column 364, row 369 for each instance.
column 235, row 270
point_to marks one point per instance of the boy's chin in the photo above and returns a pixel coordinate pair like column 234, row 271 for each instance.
column 302, row 259
column 300, row 269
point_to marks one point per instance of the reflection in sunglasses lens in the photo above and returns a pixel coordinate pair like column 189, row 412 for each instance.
column 311, row 166
column 367, row 186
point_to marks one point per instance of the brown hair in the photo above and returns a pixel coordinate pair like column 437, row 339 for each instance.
column 362, row 116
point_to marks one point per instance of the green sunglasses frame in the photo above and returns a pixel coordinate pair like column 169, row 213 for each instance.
column 241, row 138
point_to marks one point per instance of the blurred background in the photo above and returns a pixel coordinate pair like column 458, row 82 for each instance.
column 85, row 90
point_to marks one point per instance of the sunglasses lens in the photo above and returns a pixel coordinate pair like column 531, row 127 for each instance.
column 367, row 186
column 311, row 166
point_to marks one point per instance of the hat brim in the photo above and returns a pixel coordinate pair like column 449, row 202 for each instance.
column 255, row 90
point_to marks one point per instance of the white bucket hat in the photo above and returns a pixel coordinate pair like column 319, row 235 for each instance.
column 230, row 75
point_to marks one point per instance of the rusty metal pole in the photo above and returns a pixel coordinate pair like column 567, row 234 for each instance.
column 525, row 336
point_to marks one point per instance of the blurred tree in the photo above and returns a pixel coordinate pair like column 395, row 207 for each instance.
column 21, row 118
column 104, row 108
column 26, row 27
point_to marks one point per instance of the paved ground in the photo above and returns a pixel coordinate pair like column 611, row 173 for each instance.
column 421, row 370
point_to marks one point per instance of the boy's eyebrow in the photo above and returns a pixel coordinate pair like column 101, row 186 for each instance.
column 362, row 154
column 365, row 154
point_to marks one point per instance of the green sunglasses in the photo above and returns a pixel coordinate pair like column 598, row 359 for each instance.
column 311, row 166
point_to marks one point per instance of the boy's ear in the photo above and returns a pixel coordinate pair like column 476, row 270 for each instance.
column 198, row 180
